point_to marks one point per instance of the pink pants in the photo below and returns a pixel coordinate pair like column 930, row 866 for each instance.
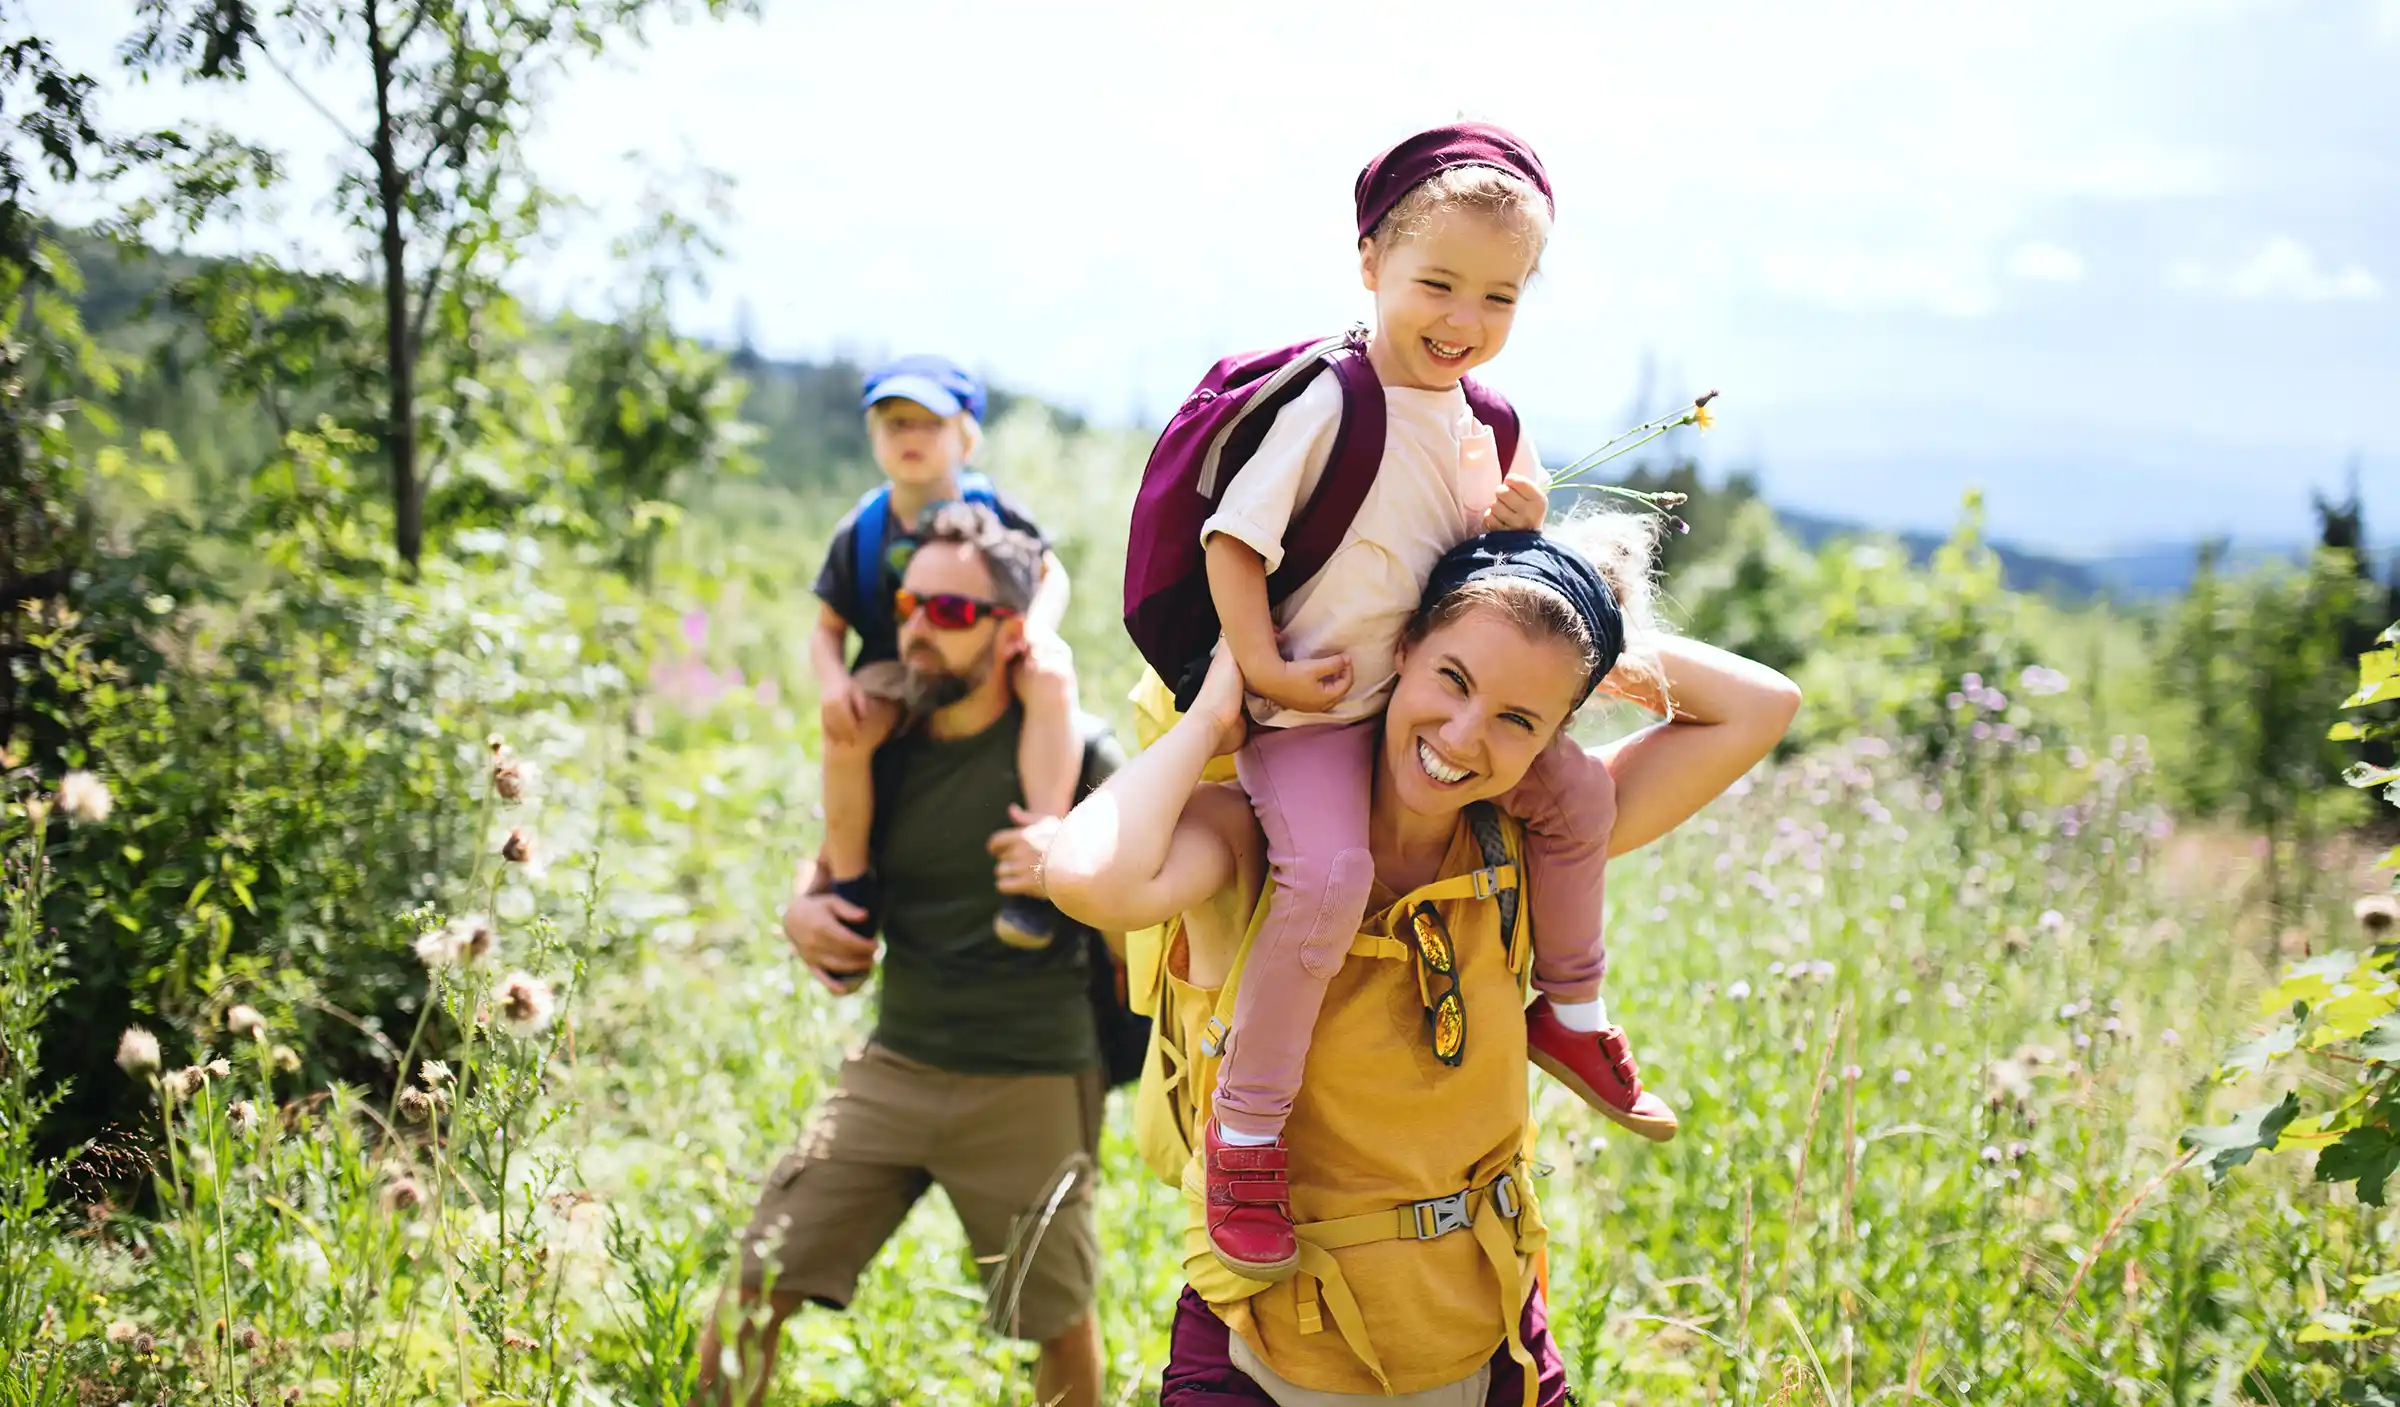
column 1311, row 787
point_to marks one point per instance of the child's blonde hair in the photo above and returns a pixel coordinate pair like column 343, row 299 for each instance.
column 1506, row 199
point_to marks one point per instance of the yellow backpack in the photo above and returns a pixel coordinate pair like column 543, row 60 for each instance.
column 1177, row 1077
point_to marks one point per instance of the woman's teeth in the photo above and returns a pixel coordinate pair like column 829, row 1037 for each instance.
column 1446, row 351
column 1436, row 768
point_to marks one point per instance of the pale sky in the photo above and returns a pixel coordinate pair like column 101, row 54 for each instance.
column 2133, row 267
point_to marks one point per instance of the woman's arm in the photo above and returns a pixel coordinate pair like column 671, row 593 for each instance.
column 1136, row 852
column 1728, row 713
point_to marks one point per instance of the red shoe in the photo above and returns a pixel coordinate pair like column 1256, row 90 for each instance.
column 1599, row 1068
column 1250, row 1208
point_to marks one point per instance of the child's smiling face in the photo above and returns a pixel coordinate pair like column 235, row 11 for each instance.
column 1445, row 297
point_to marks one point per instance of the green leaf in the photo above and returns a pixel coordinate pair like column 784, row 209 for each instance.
column 2382, row 1041
column 2380, row 1288
column 2366, row 1155
column 2390, row 860
column 2253, row 1056
column 2313, row 981
column 2325, row 1326
column 2347, row 1017
column 2363, row 774
column 2343, row 732
column 2230, row 1145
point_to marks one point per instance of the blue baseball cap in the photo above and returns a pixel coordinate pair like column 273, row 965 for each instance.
column 936, row 383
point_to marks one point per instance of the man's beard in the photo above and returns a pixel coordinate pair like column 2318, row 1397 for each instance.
column 928, row 685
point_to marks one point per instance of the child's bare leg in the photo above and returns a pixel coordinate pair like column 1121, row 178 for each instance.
column 1050, row 749
column 849, row 801
column 1049, row 768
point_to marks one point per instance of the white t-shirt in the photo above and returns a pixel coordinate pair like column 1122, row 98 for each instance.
column 1440, row 474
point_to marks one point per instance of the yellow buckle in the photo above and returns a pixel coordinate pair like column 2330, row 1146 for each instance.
column 1213, row 1037
column 1487, row 882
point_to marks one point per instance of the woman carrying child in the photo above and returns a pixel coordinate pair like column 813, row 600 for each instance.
column 1451, row 225
column 1407, row 1163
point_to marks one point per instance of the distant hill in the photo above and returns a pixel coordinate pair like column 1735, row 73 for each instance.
column 2020, row 569
column 812, row 434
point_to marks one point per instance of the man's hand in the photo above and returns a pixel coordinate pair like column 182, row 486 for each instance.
column 1522, row 504
column 1018, row 852
column 840, row 958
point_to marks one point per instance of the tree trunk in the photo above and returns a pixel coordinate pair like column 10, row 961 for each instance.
column 391, row 193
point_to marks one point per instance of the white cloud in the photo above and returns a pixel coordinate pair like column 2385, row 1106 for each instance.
column 2046, row 263
column 2283, row 268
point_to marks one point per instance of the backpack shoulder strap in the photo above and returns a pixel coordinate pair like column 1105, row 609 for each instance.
column 1494, row 834
column 976, row 487
column 867, row 535
column 1317, row 529
column 873, row 530
column 1493, row 409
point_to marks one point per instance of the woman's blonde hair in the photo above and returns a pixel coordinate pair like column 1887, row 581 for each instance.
column 1623, row 548
column 1506, row 199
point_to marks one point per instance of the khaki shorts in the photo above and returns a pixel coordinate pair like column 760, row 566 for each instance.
column 995, row 1143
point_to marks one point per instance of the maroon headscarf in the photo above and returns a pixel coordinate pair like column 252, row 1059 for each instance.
column 1429, row 153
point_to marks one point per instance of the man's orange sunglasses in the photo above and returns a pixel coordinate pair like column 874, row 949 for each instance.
column 945, row 611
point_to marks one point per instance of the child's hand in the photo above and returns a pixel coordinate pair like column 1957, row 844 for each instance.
column 1522, row 505
column 1045, row 675
column 1305, row 686
column 843, row 713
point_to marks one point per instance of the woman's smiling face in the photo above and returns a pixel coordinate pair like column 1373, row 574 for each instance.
column 1477, row 700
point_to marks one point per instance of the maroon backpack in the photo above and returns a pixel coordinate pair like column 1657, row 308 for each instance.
column 1168, row 611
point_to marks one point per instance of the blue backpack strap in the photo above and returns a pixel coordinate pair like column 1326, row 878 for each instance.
column 873, row 530
column 975, row 487
column 867, row 535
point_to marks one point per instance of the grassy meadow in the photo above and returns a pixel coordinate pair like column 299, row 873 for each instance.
column 1934, row 1017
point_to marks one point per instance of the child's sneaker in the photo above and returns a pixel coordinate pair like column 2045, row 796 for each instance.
column 1028, row 923
column 1599, row 1067
column 1250, row 1208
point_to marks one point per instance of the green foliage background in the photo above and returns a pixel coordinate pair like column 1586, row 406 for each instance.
column 1939, row 990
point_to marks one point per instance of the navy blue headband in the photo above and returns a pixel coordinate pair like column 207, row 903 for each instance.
column 1535, row 558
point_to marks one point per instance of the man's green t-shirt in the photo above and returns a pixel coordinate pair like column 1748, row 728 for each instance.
column 953, row 995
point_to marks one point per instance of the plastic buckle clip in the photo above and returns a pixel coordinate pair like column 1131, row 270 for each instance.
column 1439, row 1216
column 1504, row 1197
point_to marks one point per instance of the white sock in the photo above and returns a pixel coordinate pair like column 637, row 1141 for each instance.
column 1581, row 1016
column 1240, row 1139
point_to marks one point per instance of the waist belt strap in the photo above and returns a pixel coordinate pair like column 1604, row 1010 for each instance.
column 1479, row 1211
